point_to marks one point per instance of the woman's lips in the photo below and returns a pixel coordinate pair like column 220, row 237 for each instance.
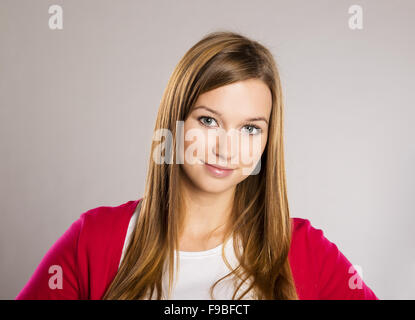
column 218, row 172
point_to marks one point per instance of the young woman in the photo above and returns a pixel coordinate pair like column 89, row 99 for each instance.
column 210, row 225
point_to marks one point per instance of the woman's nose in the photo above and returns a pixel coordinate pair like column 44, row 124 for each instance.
column 226, row 147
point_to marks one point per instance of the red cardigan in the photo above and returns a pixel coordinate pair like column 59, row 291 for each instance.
column 90, row 250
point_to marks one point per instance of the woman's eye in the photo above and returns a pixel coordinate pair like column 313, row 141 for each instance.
column 208, row 121
column 253, row 130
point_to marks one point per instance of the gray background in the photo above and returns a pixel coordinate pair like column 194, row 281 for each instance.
column 78, row 107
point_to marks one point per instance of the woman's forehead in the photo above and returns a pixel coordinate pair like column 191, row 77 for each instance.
column 247, row 99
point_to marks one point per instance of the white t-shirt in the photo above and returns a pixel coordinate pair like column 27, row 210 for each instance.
column 198, row 270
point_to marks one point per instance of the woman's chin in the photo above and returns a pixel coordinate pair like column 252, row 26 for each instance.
column 213, row 190
column 212, row 185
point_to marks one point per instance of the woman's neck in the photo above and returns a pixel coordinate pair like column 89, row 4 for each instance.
column 206, row 215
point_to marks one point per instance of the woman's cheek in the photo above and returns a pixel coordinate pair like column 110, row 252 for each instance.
column 194, row 144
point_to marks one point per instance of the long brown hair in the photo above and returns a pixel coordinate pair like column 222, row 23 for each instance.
column 260, row 214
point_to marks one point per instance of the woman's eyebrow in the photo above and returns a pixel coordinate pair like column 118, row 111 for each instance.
column 220, row 115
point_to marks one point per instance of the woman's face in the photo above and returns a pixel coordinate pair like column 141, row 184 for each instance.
column 228, row 127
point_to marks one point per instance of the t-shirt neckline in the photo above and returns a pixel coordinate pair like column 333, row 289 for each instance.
column 204, row 253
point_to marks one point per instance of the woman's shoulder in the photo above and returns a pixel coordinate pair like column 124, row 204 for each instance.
column 301, row 223
column 309, row 243
column 305, row 238
column 97, row 221
column 302, row 229
column 320, row 269
column 84, row 258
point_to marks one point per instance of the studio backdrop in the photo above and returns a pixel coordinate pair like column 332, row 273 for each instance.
column 81, row 83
